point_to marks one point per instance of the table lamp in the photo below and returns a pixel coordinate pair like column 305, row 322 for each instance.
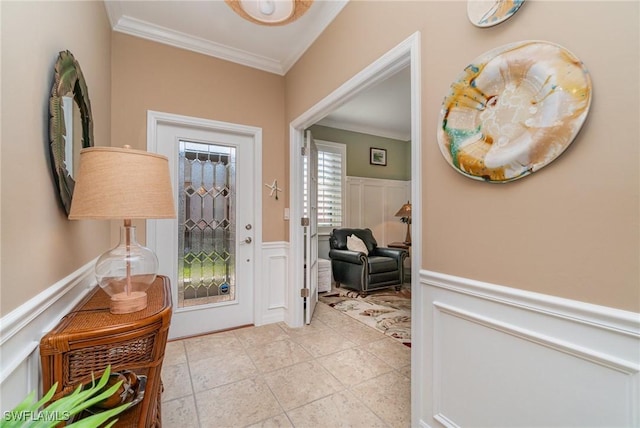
column 123, row 184
column 405, row 213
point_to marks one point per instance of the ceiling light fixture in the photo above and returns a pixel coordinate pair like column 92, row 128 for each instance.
column 270, row 12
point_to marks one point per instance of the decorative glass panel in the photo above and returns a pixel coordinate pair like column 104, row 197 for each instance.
column 206, row 224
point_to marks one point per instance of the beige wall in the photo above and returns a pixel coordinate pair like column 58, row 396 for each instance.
column 398, row 153
column 152, row 76
column 569, row 230
column 39, row 245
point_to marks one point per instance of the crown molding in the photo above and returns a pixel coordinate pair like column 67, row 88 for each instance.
column 365, row 129
column 156, row 33
column 329, row 13
column 138, row 28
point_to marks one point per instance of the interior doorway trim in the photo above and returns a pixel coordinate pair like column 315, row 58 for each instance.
column 405, row 54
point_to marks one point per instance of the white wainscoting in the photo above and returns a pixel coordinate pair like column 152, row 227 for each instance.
column 493, row 356
column 272, row 284
column 373, row 202
column 22, row 329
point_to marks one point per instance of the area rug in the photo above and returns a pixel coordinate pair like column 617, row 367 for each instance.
column 386, row 310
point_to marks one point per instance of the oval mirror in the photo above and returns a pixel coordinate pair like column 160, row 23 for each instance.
column 70, row 123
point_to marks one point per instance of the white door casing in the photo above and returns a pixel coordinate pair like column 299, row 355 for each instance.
column 406, row 53
column 311, row 231
column 164, row 133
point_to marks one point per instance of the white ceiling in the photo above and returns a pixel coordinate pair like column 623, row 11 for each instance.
column 212, row 28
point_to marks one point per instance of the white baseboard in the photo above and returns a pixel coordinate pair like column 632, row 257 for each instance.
column 272, row 287
column 490, row 355
column 22, row 329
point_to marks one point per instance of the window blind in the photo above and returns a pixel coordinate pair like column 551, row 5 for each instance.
column 331, row 173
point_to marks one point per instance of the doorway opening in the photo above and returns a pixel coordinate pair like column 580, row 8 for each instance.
column 406, row 54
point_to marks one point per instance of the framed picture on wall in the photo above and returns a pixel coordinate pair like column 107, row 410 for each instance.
column 377, row 156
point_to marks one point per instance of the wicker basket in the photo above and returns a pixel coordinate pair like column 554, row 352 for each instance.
column 90, row 338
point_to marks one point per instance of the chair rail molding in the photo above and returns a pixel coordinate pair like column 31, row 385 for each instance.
column 547, row 361
column 22, row 329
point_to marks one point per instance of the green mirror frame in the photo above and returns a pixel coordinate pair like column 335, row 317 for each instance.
column 68, row 82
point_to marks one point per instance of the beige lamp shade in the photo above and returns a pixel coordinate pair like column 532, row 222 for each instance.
column 404, row 211
column 122, row 183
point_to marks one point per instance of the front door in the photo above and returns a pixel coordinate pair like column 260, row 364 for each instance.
column 208, row 251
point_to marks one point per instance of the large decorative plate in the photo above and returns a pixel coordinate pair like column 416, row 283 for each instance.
column 486, row 13
column 514, row 110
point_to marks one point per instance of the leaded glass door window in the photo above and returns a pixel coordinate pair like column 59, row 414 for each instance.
column 206, row 224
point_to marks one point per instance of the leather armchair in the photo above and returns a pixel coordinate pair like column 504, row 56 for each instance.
column 381, row 268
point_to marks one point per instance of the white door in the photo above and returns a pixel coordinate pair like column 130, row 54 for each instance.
column 311, row 230
column 208, row 250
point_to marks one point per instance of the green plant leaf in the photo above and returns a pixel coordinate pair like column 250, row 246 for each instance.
column 100, row 418
column 72, row 404
column 47, row 396
column 90, row 402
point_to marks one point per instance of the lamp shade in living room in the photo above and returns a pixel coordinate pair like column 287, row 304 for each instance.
column 405, row 213
column 123, row 184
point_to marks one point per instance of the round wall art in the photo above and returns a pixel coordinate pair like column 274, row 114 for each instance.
column 487, row 13
column 514, row 110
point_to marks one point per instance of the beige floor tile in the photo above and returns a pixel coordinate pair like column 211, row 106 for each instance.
column 354, row 366
column 236, row 405
column 329, row 316
column 339, row 410
column 390, row 351
column 212, row 345
column 176, row 381
column 209, row 373
column 280, row 421
column 301, row 367
column 312, row 328
column 278, row 354
column 180, row 413
column 301, row 384
column 255, row 336
column 405, row 371
column 324, row 343
column 359, row 333
column 389, row 397
column 174, row 353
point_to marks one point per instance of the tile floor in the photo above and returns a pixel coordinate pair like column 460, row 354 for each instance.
column 335, row 372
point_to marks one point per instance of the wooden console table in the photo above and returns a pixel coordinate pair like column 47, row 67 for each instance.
column 90, row 337
column 399, row 245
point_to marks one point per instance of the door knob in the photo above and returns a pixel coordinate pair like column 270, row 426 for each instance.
column 248, row 240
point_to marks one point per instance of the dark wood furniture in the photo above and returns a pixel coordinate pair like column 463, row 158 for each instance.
column 399, row 245
column 407, row 262
column 89, row 338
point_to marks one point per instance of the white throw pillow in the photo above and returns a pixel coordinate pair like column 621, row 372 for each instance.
column 356, row 244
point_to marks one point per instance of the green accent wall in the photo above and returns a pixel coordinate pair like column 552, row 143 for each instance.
column 398, row 153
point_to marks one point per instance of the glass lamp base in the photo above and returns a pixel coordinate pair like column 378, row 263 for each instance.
column 123, row 303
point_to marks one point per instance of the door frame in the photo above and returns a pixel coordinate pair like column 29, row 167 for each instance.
column 156, row 118
column 406, row 54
